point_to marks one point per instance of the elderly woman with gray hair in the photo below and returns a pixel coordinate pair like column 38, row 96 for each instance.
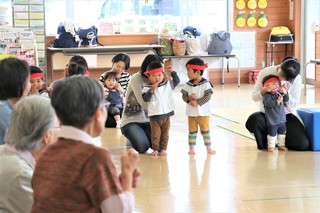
column 32, row 125
column 74, row 175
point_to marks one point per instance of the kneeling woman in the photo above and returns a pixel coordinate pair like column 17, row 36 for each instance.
column 289, row 73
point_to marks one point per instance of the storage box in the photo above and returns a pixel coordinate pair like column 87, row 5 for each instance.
column 311, row 120
column 253, row 75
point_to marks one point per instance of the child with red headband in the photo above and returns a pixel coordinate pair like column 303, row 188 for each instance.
column 273, row 102
column 158, row 95
column 197, row 93
column 37, row 81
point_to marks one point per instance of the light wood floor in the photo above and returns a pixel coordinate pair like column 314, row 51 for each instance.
column 239, row 178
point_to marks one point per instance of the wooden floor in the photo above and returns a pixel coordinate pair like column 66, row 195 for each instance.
column 239, row 178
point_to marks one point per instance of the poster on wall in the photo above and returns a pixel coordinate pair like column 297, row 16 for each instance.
column 30, row 14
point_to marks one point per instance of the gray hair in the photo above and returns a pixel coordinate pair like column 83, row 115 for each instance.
column 76, row 99
column 31, row 118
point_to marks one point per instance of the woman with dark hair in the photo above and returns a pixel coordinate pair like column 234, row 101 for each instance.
column 14, row 85
column 135, row 122
column 288, row 73
column 77, row 66
column 120, row 65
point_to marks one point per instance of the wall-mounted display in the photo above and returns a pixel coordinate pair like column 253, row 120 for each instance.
column 240, row 4
column 262, row 20
column 252, row 4
column 29, row 14
column 262, row 4
column 251, row 21
column 240, row 21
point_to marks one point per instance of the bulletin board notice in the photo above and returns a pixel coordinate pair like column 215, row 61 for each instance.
column 244, row 47
column 31, row 14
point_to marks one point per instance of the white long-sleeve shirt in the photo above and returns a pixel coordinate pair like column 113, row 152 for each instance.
column 294, row 91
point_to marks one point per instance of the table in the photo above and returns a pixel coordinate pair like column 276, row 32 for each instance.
column 102, row 55
column 314, row 61
column 219, row 56
column 272, row 45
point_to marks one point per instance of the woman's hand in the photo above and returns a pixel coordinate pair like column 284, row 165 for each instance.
column 283, row 90
column 119, row 88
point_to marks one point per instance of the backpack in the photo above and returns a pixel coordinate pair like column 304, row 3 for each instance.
column 89, row 36
column 66, row 36
column 220, row 43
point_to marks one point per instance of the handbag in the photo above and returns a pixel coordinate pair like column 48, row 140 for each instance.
column 66, row 36
column 167, row 47
column 193, row 44
column 220, row 43
column 88, row 36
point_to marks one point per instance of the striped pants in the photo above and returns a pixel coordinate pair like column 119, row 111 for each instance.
column 204, row 123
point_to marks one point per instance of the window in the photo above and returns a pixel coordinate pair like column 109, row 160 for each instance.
column 139, row 16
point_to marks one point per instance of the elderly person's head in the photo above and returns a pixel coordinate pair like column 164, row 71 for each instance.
column 14, row 80
column 289, row 69
column 32, row 124
column 79, row 102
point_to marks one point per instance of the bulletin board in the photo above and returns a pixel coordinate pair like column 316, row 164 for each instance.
column 244, row 47
column 30, row 14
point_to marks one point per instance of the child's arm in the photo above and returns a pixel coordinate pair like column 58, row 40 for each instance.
column 185, row 96
column 205, row 98
column 285, row 97
column 146, row 94
column 175, row 79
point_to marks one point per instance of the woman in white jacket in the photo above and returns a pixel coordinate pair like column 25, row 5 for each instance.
column 289, row 73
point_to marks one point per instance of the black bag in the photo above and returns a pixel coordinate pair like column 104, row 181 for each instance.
column 220, row 43
column 64, row 39
column 89, row 36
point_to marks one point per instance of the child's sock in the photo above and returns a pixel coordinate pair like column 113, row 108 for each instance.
column 118, row 124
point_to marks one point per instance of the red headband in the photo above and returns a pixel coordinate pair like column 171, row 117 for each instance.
column 154, row 71
column 197, row 67
column 36, row 75
column 270, row 80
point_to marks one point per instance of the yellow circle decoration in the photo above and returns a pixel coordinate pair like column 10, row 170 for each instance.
column 262, row 21
column 252, row 4
column 251, row 21
column 262, row 4
column 240, row 22
column 240, row 4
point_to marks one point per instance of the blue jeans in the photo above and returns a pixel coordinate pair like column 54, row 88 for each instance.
column 139, row 134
